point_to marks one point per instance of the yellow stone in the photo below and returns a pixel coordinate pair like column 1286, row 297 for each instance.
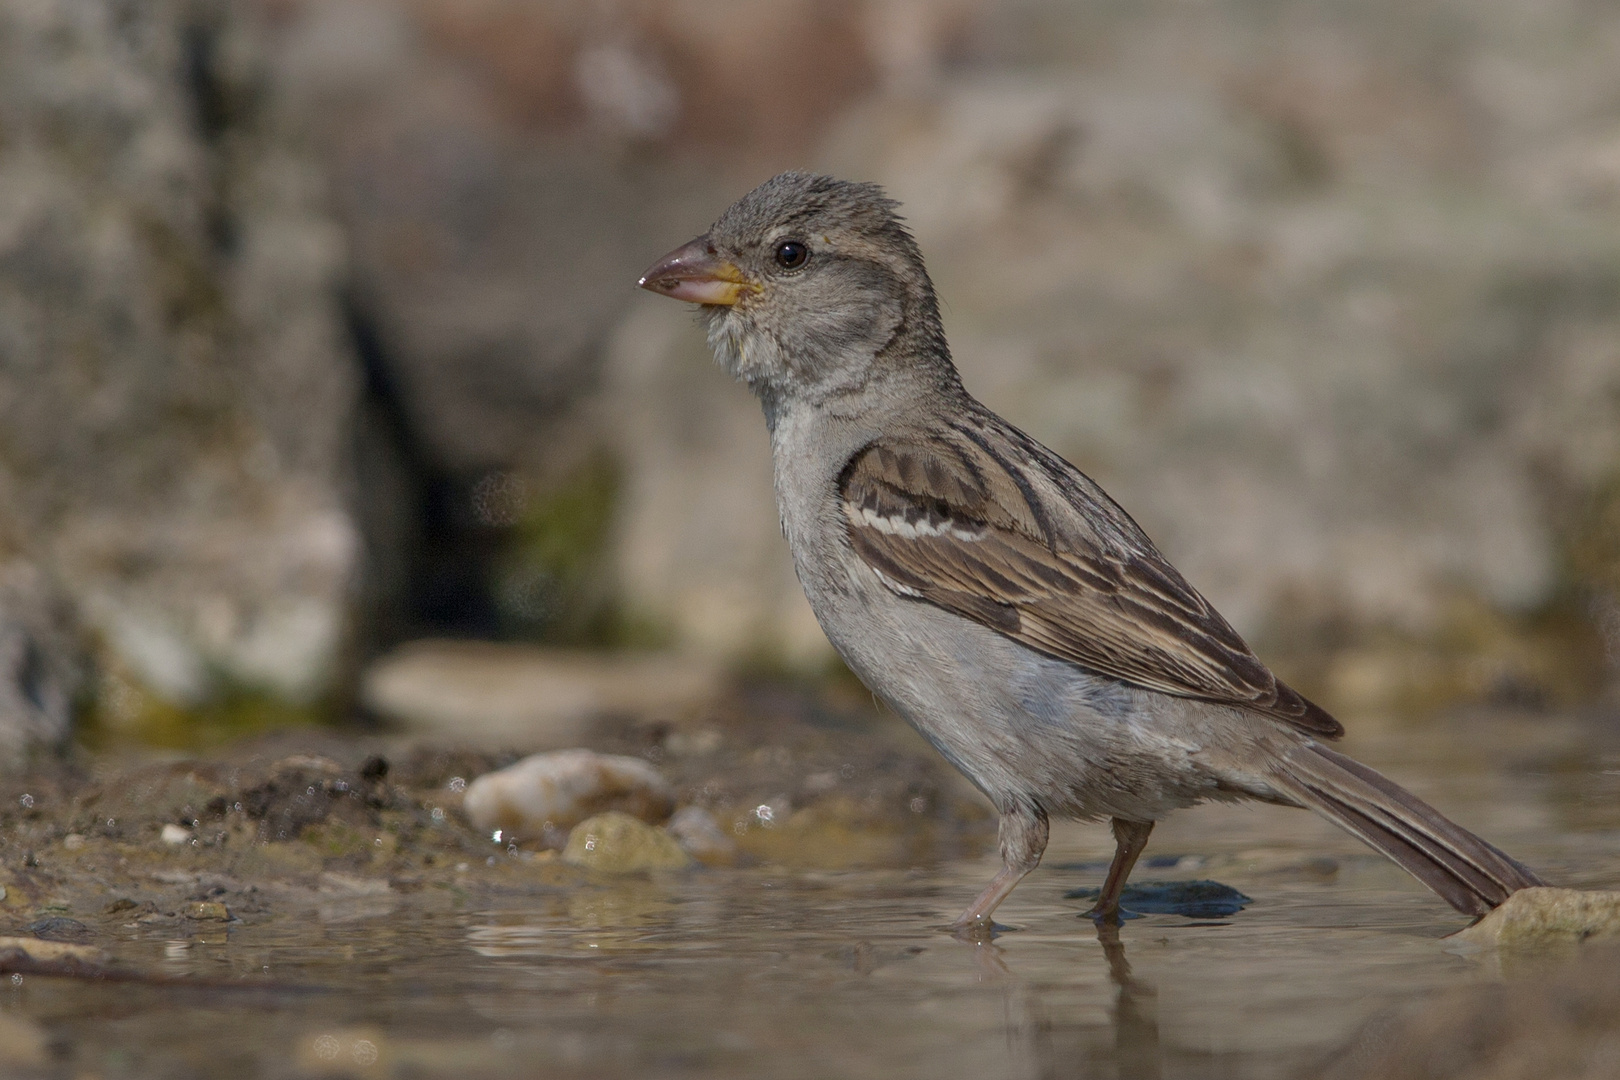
column 617, row 843
column 51, row 952
column 1548, row 915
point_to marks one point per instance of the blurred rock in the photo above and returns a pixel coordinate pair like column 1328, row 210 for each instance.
column 1556, row 1024
column 206, row 911
column 543, row 796
column 175, row 387
column 505, row 169
column 616, row 843
column 35, row 954
column 1332, row 320
column 42, row 665
column 1532, row 916
column 485, row 694
column 1326, row 299
column 701, row 837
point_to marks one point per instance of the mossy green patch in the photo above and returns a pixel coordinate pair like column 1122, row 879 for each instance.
column 553, row 580
column 124, row 713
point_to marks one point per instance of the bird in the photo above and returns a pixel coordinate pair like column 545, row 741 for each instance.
column 989, row 592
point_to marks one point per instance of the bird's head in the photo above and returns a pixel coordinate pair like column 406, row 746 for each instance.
column 809, row 285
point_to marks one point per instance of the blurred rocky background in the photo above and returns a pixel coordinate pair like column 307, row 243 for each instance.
column 318, row 334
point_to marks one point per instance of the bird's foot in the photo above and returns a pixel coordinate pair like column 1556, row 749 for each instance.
column 1105, row 916
column 977, row 931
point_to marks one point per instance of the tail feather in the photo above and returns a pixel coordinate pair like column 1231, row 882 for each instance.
column 1465, row 871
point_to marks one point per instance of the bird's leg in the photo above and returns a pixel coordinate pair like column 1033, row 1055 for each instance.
column 1130, row 837
column 1022, row 836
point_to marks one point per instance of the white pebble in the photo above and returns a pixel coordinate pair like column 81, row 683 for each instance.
column 176, row 835
column 561, row 789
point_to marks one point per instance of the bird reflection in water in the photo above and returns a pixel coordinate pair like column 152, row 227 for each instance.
column 1136, row 1011
column 1074, row 1049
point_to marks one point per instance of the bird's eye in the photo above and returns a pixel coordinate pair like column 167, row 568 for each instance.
column 790, row 254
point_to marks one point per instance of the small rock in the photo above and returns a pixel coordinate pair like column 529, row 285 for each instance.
column 1545, row 914
column 349, row 884
column 310, row 763
column 59, row 928
column 617, row 843
column 206, row 911
column 701, row 837
column 558, row 790
column 175, row 835
column 73, row 841
column 49, row 957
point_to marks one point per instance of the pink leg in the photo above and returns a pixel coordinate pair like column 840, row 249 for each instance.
column 1130, row 837
column 1023, row 835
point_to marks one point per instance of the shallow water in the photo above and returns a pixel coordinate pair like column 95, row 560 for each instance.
column 762, row 972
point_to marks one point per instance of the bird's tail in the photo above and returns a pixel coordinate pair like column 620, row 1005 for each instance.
column 1466, row 872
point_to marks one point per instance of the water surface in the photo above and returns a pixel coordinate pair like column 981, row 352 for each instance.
column 767, row 972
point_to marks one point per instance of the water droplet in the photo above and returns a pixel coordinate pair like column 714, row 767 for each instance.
column 364, row 1052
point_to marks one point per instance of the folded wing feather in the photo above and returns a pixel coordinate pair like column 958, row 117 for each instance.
column 985, row 522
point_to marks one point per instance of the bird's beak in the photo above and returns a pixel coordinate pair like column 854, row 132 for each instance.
column 696, row 272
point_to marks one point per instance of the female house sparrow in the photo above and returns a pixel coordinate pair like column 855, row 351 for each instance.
column 987, row 590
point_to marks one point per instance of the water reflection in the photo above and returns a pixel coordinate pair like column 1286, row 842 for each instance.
column 1136, row 1012
column 1062, row 1040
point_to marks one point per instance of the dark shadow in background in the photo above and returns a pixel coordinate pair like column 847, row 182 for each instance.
column 430, row 560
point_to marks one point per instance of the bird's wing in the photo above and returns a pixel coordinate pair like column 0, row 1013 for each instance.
column 983, row 521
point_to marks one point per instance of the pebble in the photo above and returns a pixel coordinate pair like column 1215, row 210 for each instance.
column 59, row 928
column 617, row 843
column 701, row 837
column 554, row 792
column 1541, row 915
column 23, row 953
column 206, row 911
column 175, row 835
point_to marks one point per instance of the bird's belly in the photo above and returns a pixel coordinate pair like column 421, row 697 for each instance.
column 1020, row 726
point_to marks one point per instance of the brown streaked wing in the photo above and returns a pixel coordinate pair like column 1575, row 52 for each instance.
column 952, row 522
